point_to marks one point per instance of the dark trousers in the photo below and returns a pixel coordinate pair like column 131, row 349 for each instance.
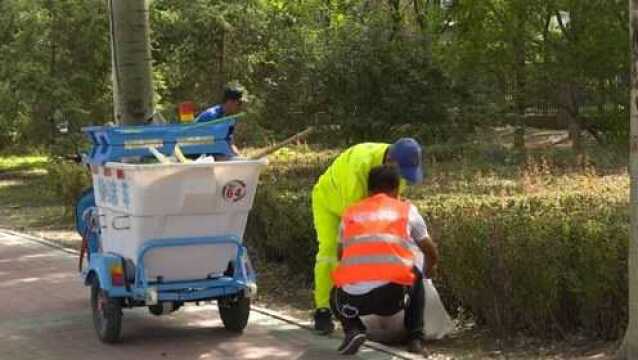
column 386, row 300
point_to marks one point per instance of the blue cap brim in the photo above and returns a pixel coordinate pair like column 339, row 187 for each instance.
column 413, row 174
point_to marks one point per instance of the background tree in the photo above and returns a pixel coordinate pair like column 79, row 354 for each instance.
column 377, row 69
column 131, row 61
column 630, row 346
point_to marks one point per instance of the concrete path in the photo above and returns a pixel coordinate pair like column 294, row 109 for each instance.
column 45, row 314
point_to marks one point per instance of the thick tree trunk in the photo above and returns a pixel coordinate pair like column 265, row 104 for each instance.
column 220, row 64
column 395, row 10
column 630, row 346
column 520, row 76
column 568, row 112
column 420, row 13
column 131, row 57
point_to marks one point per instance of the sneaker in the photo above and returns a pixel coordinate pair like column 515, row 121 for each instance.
column 323, row 321
column 417, row 346
column 352, row 343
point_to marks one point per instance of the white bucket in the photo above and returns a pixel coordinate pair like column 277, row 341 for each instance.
column 142, row 202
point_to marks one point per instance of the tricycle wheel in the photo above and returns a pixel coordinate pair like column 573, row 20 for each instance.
column 107, row 314
column 234, row 313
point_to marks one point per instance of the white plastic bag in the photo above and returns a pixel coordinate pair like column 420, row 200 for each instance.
column 390, row 329
column 437, row 321
column 205, row 159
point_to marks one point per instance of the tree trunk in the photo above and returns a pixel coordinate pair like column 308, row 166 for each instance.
column 568, row 111
column 520, row 77
column 630, row 345
column 131, row 58
column 395, row 10
column 220, row 63
column 420, row 14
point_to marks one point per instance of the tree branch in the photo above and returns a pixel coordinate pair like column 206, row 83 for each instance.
column 563, row 28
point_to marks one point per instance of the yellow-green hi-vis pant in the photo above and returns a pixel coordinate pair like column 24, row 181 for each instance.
column 327, row 226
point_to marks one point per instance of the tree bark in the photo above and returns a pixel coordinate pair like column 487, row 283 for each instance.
column 220, row 63
column 630, row 345
column 395, row 9
column 568, row 111
column 420, row 13
column 131, row 59
column 520, row 76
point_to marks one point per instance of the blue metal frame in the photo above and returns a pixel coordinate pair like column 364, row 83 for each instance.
column 100, row 266
column 182, row 291
column 112, row 143
column 84, row 209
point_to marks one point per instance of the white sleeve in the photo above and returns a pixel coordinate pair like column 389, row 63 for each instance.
column 416, row 225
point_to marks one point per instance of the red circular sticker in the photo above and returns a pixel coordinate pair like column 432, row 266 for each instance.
column 234, row 190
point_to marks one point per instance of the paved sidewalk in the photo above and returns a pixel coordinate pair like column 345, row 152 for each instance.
column 45, row 314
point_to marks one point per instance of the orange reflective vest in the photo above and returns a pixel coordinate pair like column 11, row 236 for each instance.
column 376, row 243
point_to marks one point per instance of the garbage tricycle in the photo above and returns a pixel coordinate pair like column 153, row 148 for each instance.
column 161, row 234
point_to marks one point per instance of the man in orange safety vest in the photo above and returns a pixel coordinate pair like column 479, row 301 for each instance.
column 382, row 241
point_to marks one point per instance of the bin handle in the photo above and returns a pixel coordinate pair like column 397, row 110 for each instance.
column 116, row 218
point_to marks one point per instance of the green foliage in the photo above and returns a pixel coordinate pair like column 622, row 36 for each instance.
column 14, row 163
column 66, row 181
column 280, row 229
column 379, row 70
column 538, row 56
column 546, row 265
column 50, row 71
column 530, row 246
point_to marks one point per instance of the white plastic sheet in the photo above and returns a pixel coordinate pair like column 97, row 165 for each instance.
column 389, row 329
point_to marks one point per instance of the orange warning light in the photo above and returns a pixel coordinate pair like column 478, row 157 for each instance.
column 186, row 111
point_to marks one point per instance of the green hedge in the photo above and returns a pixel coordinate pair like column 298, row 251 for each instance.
column 66, row 181
column 549, row 264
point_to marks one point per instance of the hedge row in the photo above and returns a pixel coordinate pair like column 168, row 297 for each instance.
column 549, row 263
column 545, row 265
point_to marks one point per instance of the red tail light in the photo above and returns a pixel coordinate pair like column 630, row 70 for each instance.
column 117, row 275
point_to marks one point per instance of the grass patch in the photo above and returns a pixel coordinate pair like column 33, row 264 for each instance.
column 14, row 163
column 26, row 202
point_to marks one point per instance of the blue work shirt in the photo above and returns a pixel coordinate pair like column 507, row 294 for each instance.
column 210, row 114
column 214, row 113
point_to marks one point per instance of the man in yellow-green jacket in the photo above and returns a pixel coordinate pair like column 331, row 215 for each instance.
column 342, row 184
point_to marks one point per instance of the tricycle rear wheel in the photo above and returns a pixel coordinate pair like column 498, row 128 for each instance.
column 107, row 314
column 234, row 313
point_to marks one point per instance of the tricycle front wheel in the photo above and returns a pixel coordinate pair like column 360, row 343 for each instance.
column 107, row 314
column 234, row 313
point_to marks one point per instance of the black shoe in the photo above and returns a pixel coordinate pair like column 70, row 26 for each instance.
column 323, row 321
column 352, row 342
column 417, row 346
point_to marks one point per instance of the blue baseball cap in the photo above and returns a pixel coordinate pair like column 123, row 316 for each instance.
column 407, row 153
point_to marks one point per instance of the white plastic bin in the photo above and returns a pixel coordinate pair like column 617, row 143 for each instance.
column 142, row 202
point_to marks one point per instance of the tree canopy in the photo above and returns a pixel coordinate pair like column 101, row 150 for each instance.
column 377, row 69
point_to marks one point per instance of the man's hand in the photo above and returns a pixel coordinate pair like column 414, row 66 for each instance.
column 431, row 252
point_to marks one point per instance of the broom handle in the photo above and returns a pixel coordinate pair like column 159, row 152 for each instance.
column 271, row 149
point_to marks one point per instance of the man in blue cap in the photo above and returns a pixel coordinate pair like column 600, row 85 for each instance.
column 232, row 102
column 344, row 183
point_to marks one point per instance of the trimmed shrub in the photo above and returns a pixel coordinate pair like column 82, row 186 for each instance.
column 66, row 181
column 547, row 264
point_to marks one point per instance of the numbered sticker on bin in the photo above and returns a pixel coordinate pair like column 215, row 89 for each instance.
column 234, row 191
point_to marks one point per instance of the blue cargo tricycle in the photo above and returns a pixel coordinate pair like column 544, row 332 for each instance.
column 161, row 234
